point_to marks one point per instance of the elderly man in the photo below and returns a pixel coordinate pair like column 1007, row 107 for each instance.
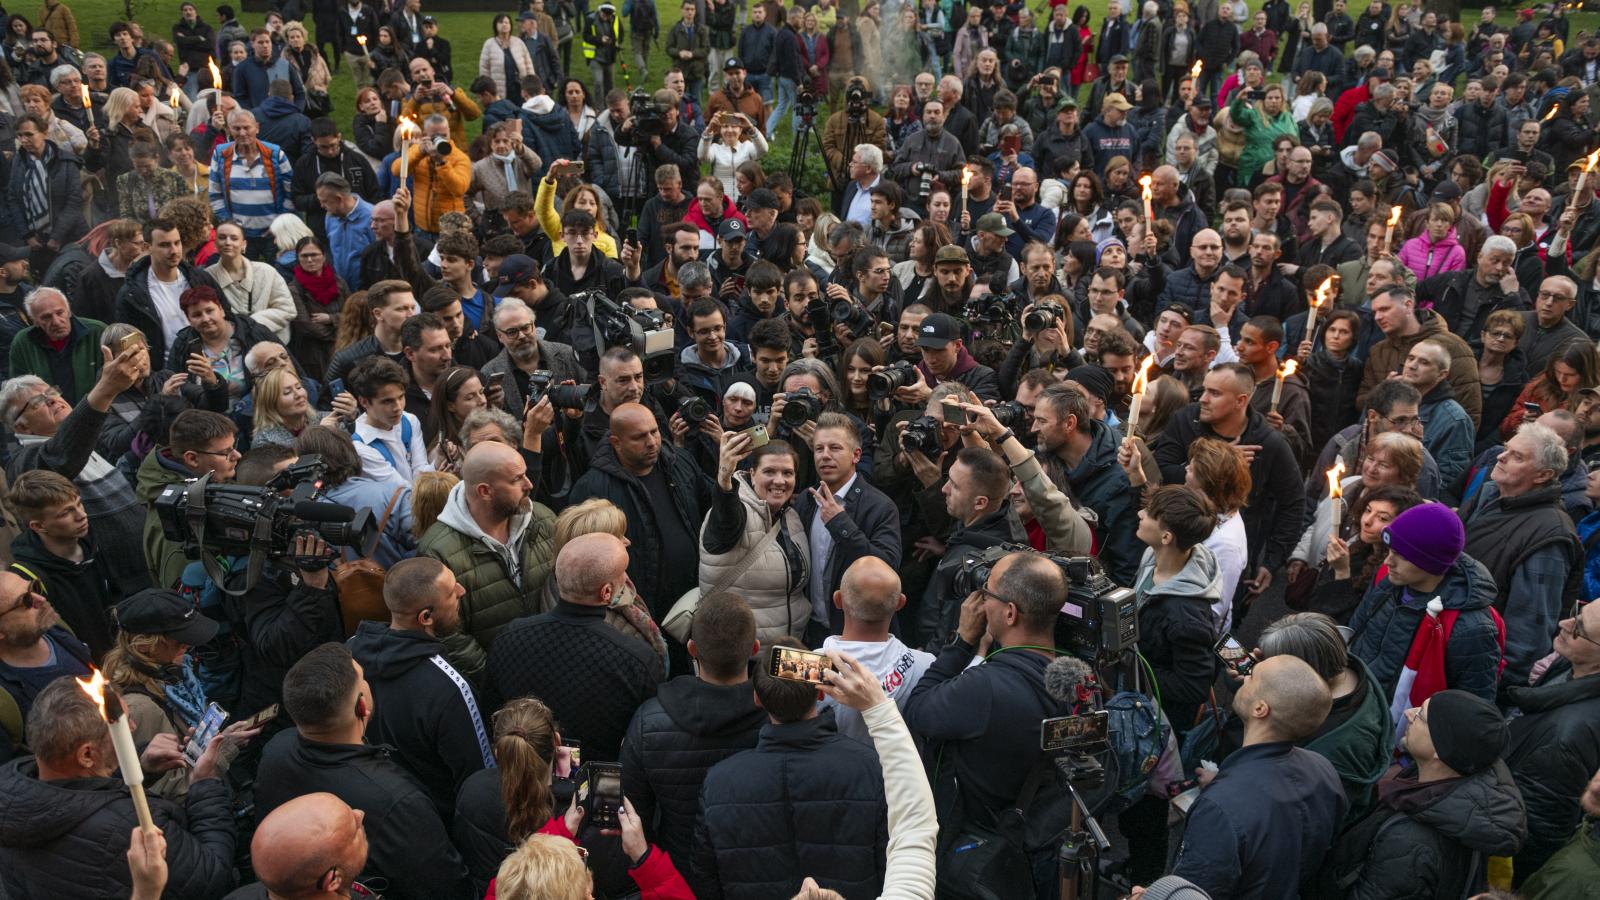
column 59, row 347
column 66, row 829
column 524, row 353
column 251, row 183
column 592, row 676
column 865, row 172
column 440, row 176
column 1516, row 526
column 1168, row 200
column 1447, row 430
column 1465, row 299
column 1549, row 329
column 927, row 155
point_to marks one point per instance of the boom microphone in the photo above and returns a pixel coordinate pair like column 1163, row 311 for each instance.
column 1069, row 680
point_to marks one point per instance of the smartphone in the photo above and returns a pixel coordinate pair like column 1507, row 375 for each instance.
column 572, row 168
column 496, row 379
column 130, row 341
column 1074, row 732
column 574, row 761
column 603, row 794
column 210, row 724
column 955, row 415
column 262, row 717
column 1234, row 655
column 885, row 329
column 798, row 665
column 758, row 436
column 631, row 236
column 1003, row 192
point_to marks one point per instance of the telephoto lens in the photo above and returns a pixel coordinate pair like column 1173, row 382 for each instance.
column 570, row 396
column 800, row 407
column 922, row 435
column 890, row 378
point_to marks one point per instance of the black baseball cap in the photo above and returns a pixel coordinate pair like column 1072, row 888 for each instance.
column 516, row 269
column 10, row 253
column 937, row 331
column 732, row 63
column 165, row 612
column 731, row 229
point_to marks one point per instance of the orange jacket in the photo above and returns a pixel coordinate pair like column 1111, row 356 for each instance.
column 437, row 186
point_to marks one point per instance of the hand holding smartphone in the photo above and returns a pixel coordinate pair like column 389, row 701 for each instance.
column 798, row 665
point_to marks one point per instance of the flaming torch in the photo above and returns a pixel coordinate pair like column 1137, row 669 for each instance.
column 1388, row 233
column 966, row 178
column 407, row 130
column 1336, row 494
column 216, row 74
column 1554, row 108
column 1323, row 295
column 174, row 97
column 1284, row 371
column 1144, row 188
column 112, row 711
column 1588, row 166
column 1141, row 381
column 362, row 40
column 1194, row 70
column 87, row 102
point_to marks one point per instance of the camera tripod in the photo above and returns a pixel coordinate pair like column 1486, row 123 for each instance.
column 1077, row 859
column 804, row 135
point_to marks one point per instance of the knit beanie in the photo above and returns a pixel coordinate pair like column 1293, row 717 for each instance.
column 1100, row 248
column 1468, row 732
column 1174, row 888
column 1429, row 536
column 1095, row 379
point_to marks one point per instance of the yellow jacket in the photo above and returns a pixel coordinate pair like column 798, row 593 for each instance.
column 544, row 204
column 437, row 186
column 466, row 109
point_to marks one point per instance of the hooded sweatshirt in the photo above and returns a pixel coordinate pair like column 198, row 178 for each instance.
column 82, row 592
column 1177, row 630
column 424, row 709
column 457, row 516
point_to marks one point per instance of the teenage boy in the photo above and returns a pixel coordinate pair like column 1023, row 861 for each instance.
column 388, row 439
column 55, row 549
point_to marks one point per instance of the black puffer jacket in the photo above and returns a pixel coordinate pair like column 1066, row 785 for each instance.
column 1431, row 833
column 1385, row 625
column 273, row 624
column 135, row 307
column 70, row 838
column 1498, row 399
column 805, row 801
column 1176, row 631
column 1334, row 384
column 1554, row 748
column 673, row 741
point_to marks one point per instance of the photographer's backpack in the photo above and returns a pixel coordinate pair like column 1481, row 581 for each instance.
column 359, row 583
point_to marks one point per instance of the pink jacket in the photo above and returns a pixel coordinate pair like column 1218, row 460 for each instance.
column 1426, row 258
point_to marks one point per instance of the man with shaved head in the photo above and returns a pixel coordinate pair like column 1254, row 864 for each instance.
column 311, row 848
column 496, row 541
column 870, row 596
column 664, row 495
column 1236, row 845
column 591, row 675
column 1170, row 200
column 427, row 711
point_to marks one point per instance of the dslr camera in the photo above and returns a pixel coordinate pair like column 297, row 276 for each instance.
column 694, row 410
column 800, row 407
column 924, row 434
column 855, row 320
column 260, row 523
column 896, row 375
column 1099, row 620
column 989, row 309
column 1042, row 316
column 439, row 145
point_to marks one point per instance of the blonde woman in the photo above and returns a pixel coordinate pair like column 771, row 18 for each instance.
column 36, row 99
column 283, row 409
column 627, row 613
column 306, row 57
column 251, row 288
column 585, row 197
column 429, row 495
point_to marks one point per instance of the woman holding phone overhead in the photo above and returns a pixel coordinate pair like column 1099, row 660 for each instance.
column 584, row 196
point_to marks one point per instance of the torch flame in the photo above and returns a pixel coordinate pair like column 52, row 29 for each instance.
column 216, row 73
column 407, row 128
column 1141, row 379
column 1194, row 70
column 1324, row 292
column 362, row 40
column 86, row 101
column 1554, row 108
column 1591, row 161
column 96, row 689
column 1144, row 184
column 1289, row 367
column 1394, row 216
column 174, row 97
column 966, row 175
column 1334, row 474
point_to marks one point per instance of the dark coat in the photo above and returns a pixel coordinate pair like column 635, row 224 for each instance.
column 431, row 721
column 1098, row 483
column 1554, row 748
column 275, row 623
column 673, row 741
column 64, row 172
column 70, row 838
column 135, row 307
column 1333, row 385
column 1463, row 305
column 1480, row 131
column 805, row 801
column 1260, row 829
column 592, row 676
column 869, row 526
column 407, row 842
column 1385, row 625
column 83, row 592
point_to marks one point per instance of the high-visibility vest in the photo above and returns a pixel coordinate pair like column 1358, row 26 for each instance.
column 616, row 35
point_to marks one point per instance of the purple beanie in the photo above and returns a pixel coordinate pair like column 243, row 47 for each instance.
column 1429, row 536
column 1100, row 248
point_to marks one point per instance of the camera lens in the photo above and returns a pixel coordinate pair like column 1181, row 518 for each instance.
column 694, row 410
column 570, row 396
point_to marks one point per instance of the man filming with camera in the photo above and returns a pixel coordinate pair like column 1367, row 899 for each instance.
column 853, row 125
column 429, row 97
column 657, row 127
column 929, row 155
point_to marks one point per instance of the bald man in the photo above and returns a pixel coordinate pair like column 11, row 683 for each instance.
column 592, row 675
column 664, row 496
column 1170, row 200
column 426, row 709
column 869, row 595
column 497, row 542
column 1235, row 844
column 311, row 848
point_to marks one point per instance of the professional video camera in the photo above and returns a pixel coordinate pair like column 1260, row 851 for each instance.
column 890, row 378
column 805, row 105
column 1098, row 621
column 644, row 330
column 649, row 117
column 856, row 103
column 214, row 520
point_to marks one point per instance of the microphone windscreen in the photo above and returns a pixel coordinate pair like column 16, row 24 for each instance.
column 1064, row 676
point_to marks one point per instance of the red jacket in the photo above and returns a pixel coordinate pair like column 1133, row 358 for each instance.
column 1344, row 109
column 657, row 877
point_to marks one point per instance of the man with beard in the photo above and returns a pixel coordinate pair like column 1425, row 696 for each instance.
column 425, row 711
column 952, row 281
column 932, row 151
column 1236, row 234
column 35, row 648
column 525, row 353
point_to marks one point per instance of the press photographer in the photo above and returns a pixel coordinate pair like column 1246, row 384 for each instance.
column 657, row 128
column 929, row 155
column 849, row 127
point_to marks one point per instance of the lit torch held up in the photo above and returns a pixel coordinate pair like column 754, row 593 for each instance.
column 1141, row 382
column 216, row 73
column 1196, row 69
column 1583, row 177
column 1323, row 295
column 116, row 719
column 407, row 130
column 966, row 178
column 1149, row 217
column 1336, row 494
column 1284, row 371
column 1388, row 233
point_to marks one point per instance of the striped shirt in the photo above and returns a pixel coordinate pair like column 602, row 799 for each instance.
column 255, row 193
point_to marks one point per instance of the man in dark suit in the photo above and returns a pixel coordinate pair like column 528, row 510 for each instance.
column 1114, row 35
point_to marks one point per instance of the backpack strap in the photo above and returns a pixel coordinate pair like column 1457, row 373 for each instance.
column 406, row 433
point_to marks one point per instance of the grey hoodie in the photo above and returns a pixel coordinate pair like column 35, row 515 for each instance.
column 1201, row 577
column 457, row 516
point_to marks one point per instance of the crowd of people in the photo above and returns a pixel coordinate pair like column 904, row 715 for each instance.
column 1222, row 378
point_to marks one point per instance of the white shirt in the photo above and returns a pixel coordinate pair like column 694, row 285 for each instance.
column 861, row 204
column 164, row 297
column 897, row 667
column 410, row 460
column 1228, row 544
column 821, row 550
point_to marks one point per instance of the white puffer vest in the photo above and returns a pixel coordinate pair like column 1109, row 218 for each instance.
column 778, row 597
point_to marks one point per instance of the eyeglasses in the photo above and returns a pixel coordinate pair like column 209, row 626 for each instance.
column 1501, row 335
column 1552, row 295
column 518, row 330
column 32, row 598
column 1404, row 422
column 991, row 595
column 35, row 402
column 230, row 452
column 1577, row 630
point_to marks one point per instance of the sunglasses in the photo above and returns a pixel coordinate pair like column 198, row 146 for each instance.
column 32, row 598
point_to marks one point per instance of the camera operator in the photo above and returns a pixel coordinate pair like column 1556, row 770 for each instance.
column 563, row 321
column 928, row 155
column 800, row 290
column 429, row 97
column 440, row 176
column 664, row 136
column 524, row 353
column 1063, row 527
column 619, row 380
column 813, row 383
column 854, row 124
column 984, row 724
column 976, row 493
column 1038, row 279
column 198, row 443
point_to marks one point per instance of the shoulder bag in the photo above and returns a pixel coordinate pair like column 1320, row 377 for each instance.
column 681, row 615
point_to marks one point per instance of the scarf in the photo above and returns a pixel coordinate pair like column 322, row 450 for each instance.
column 187, row 696
column 36, row 190
column 323, row 287
column 509, row 163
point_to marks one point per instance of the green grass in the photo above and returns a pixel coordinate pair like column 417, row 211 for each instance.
column 466, row 32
